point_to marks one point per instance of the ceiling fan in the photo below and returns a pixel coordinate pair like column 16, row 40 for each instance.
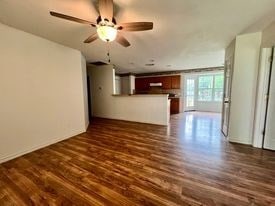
column 107, row 28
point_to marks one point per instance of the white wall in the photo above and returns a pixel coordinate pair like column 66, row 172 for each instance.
column 215, row 107
column 42, row 93
column 268, row 38
column 117, row 85
column 244, row 82
column 101, row 82
column 85, row 92
column 125, row 85
column 152, row 109
column 132, row 80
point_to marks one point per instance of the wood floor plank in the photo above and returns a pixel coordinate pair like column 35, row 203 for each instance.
column 126, row 163
column 192, row 176
column 206, row 173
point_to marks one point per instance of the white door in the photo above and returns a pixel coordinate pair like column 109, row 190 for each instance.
column 228, row 69
column 189, row 93
column 261, row 103
column 269, row 138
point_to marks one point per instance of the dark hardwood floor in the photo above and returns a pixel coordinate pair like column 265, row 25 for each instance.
column 123, row 163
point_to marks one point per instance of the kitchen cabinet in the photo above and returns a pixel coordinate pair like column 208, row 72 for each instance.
column 142, row 84
column 154, row 80
column 175, row 82
column 138, row 84
column 175, row 106
column 168, row 82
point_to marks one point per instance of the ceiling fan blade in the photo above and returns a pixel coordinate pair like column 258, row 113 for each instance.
column 106, row 9
column 121, row 40
column 136, row 26
column 91, row 38
column 71, row 18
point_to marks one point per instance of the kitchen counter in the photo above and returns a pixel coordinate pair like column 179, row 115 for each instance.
column 139, row 95
column 145, row 108
column 177, row 97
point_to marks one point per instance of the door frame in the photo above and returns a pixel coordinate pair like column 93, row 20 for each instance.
column 262, row 96
column 185, row 108
column 268, row 94
column 89, row 97
column 229, row 62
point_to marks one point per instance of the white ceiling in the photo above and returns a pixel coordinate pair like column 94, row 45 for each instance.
column 187, row 34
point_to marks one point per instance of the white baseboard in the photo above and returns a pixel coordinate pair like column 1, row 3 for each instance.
column 37, row 147
column 243, row 141
column 137, row 121
column 87, row 125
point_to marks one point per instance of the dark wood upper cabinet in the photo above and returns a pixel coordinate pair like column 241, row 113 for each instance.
column 166, row 82
column 141, row 84
column 154, row 79
column 138, row 85
column 175, row 82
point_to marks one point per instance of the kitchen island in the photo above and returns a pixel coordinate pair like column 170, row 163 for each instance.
column 147, row 108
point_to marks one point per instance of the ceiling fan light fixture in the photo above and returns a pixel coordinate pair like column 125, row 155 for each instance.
column 107, row 33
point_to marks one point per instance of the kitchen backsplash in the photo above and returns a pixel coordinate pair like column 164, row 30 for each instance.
column 172, row 91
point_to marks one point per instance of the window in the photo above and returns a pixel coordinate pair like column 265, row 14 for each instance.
column 190, row 93
column 205, row 88
column 218, row 88
column 210, row 88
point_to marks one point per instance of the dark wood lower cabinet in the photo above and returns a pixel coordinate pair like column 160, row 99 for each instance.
column 175, row 106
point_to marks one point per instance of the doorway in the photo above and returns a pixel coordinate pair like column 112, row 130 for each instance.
column 264, row 130
column 228, row 72
column 269, row 130
column 203, row 91
column 189, row 104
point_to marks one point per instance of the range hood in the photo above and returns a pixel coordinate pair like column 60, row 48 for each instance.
column 156, row 84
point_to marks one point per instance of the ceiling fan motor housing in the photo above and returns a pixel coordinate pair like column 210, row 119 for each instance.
column 99, row 20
